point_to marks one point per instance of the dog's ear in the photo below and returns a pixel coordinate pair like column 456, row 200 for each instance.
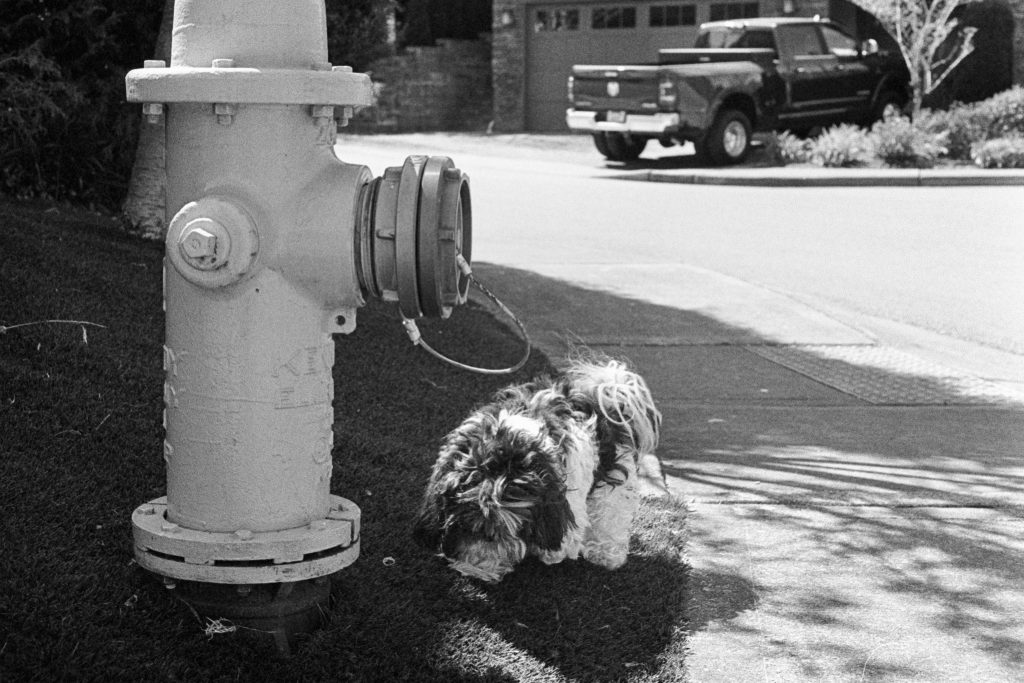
column 428, row 528
column 550, row 520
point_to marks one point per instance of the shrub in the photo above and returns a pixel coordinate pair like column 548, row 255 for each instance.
column 841, row 146
column 899, row 143
column 1006, row 152
column 1003, row 113
column 961, row 125
column 968, row 124
column 66, row 131
column 786, row 148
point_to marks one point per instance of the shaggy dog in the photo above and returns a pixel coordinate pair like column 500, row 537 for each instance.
column 548, row 468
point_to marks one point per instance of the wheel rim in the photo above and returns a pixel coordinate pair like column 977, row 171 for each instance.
column 734, row 139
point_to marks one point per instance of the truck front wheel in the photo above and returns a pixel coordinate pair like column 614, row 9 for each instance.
column 619, row 147
column 728, row 140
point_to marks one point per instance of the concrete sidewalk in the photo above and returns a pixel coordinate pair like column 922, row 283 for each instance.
column 857, row 504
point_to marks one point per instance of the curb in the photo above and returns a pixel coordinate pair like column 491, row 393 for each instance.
column 824, row 178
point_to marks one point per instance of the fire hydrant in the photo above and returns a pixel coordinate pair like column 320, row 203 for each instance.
column 272, row 244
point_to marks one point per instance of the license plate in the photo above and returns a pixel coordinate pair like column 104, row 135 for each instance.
column 616, row 117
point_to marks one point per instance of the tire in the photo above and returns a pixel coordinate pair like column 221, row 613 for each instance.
column 622, row 147
column 602, row 145
column 728, row 140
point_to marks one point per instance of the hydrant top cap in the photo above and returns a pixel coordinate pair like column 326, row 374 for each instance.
column 255, row 33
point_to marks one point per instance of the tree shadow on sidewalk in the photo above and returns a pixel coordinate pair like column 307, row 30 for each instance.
column 864, row 491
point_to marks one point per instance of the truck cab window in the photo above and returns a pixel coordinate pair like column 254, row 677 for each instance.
column 839, row 44
column 757, row 39
column 719, row 37
column 800, row 41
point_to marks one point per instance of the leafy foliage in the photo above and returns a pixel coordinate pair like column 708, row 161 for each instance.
column 931, row 39
column 65, row 130
column 841, row 146
column 786, row 148
column 899, row 143
column 1006, row 152
column 967, row 124
column 963, row 133
column 424, row 21
column 357, row 31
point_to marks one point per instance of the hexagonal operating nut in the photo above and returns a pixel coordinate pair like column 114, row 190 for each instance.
column 204, row 244
column 199, row 244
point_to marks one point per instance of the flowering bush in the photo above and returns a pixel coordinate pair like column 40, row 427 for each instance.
column 841, row 146
column 786, row 148
column 1007, row 152
column 899, row 143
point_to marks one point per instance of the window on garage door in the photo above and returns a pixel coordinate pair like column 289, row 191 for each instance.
column 721, row 11
column 613, row 17
column 556, row 20
column 673, row 15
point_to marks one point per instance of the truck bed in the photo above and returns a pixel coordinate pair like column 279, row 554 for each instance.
column 680, row 56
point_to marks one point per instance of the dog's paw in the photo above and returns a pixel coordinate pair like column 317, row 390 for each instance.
column 608, row 554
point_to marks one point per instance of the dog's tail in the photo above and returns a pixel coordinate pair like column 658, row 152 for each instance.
column 620, row 396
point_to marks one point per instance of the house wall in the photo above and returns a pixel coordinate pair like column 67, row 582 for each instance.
column 444, row 87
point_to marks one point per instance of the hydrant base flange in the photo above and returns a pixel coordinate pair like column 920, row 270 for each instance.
column 320, row 548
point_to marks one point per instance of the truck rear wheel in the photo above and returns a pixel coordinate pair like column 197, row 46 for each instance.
column 728, row 140
column 619, row 146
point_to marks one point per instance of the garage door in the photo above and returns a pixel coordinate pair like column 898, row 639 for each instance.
column 562, row 34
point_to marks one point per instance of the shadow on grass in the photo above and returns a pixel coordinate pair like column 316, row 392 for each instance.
column 81, row 448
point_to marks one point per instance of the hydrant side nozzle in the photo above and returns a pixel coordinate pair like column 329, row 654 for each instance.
column 414, row 222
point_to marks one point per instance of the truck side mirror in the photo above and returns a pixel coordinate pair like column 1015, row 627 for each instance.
column 869, row 47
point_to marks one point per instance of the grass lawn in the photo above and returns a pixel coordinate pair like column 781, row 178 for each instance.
column 80, row 448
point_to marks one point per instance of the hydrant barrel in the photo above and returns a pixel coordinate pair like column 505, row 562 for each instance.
column 272, row 245
column 249, row 387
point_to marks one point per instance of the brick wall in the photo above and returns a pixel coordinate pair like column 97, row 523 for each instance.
column 444, row 87
column 1018, row 40
column 508, row 60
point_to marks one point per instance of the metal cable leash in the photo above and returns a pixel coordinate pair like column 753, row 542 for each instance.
column 416, row 338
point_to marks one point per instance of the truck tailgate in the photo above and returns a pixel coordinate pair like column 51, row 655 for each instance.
column 625, row 88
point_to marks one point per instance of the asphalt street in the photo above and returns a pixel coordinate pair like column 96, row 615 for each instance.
column 942, row 260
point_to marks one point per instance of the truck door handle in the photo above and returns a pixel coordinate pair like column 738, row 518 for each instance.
column 800, row 70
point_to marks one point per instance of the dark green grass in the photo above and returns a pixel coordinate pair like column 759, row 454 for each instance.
column 80, row 445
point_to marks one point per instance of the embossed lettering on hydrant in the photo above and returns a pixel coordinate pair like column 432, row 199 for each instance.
column 303, row 380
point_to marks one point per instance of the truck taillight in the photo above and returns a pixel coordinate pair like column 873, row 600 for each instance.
column 667, row 95
column 568, row 88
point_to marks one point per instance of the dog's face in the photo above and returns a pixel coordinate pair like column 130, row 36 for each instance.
column 496, row 491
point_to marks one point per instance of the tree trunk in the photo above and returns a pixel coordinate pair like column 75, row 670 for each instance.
column 144, row 204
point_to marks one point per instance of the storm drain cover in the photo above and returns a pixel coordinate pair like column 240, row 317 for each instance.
column 887, row 376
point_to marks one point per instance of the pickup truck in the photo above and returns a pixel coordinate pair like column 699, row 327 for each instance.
column 742, row 76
